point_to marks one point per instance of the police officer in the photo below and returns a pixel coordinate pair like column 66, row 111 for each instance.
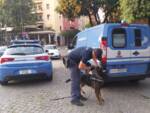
column 78, row 60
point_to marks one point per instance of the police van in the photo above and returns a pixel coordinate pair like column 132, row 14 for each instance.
column 126, row 49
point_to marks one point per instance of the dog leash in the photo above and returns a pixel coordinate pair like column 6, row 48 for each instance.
column 60, row 98
column 95, row 79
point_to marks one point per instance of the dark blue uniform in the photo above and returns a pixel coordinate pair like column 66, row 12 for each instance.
column 75, row 56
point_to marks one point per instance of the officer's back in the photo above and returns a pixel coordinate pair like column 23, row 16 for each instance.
column 77, row 54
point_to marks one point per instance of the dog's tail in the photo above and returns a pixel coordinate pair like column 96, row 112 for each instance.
column 68, row 80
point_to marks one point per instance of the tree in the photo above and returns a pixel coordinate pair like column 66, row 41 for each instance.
column 109, row 7
column 69, row 8
column 90, row 8
column 111, row 10
column 135, row 9
column 3, row 14
column 76, row 8
column 17, row 13
column 69, row 35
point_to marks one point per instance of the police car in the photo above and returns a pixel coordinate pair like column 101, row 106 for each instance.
column 25, row 61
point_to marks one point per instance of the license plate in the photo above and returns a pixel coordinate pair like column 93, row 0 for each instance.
column 118, row 70
column 24, row 72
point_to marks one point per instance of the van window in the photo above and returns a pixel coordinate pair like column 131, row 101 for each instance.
column 138, row 40
column 119, row 38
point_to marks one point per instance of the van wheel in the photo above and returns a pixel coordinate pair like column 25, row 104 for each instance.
column 4, row 82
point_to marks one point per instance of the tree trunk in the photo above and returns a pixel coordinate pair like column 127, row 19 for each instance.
column 149, row 21
column 96, row 20
column 90, row 19
column 105, row 19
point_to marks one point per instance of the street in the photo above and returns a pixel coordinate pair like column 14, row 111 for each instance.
column 35, row 35
column 48, row 97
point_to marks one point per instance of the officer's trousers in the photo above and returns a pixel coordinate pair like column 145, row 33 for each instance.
column 75, row 82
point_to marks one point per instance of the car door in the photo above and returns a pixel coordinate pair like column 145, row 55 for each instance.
column 118, row 51
column 139, row 51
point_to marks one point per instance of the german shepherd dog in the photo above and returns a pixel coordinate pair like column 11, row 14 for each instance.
column 94, row 80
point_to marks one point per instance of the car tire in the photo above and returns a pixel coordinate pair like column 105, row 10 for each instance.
column 59, row 56
column 136, row 80
column 4, row 83
column 50, row 78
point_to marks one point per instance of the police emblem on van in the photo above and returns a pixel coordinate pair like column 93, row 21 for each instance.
column 119, row 54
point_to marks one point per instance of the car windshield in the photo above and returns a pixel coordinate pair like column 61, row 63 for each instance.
column 24, row 50
column 1, row 53
column 50, row 47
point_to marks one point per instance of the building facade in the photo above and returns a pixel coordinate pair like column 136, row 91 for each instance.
column 48, row 18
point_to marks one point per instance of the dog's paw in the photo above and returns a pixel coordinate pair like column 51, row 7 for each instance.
column 101, row 102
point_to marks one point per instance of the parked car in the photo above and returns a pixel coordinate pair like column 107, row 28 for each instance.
column 2, row 49
column 52, row 51
column 126, row 49
column 25, row 61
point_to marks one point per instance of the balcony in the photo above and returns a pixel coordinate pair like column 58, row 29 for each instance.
column 39, row 11
column 37, row 1
column 39, row 22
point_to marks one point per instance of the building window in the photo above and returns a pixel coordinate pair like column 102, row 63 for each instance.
column 47, row 6
column 39, row 18
column 39, row 7
column 48, row 17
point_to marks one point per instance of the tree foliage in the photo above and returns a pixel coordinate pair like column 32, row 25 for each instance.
column 16, row 13
column 111, row 10
column 76, row 8
column 69, row 8
column 135, row 9
column 69, row 35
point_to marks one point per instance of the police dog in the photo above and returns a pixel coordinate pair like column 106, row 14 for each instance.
column 94, row 80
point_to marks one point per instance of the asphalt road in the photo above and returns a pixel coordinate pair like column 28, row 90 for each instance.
column 41, row 96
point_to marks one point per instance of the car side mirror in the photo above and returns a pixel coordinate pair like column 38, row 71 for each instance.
column 70, row 46
column 46, row 51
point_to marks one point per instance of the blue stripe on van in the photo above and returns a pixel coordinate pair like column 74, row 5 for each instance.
column 128, row 62
column 126, row 58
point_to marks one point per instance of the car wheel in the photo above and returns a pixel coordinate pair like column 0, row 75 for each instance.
column 59, row 56
column 136, row 80
column 50, row 78
column 4, row 82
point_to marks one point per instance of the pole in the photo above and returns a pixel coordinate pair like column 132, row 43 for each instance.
column 21, row 18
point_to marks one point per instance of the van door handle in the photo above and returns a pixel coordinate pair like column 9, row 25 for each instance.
column 136, row 53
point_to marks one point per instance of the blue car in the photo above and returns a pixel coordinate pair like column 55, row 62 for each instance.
column 25, row 61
